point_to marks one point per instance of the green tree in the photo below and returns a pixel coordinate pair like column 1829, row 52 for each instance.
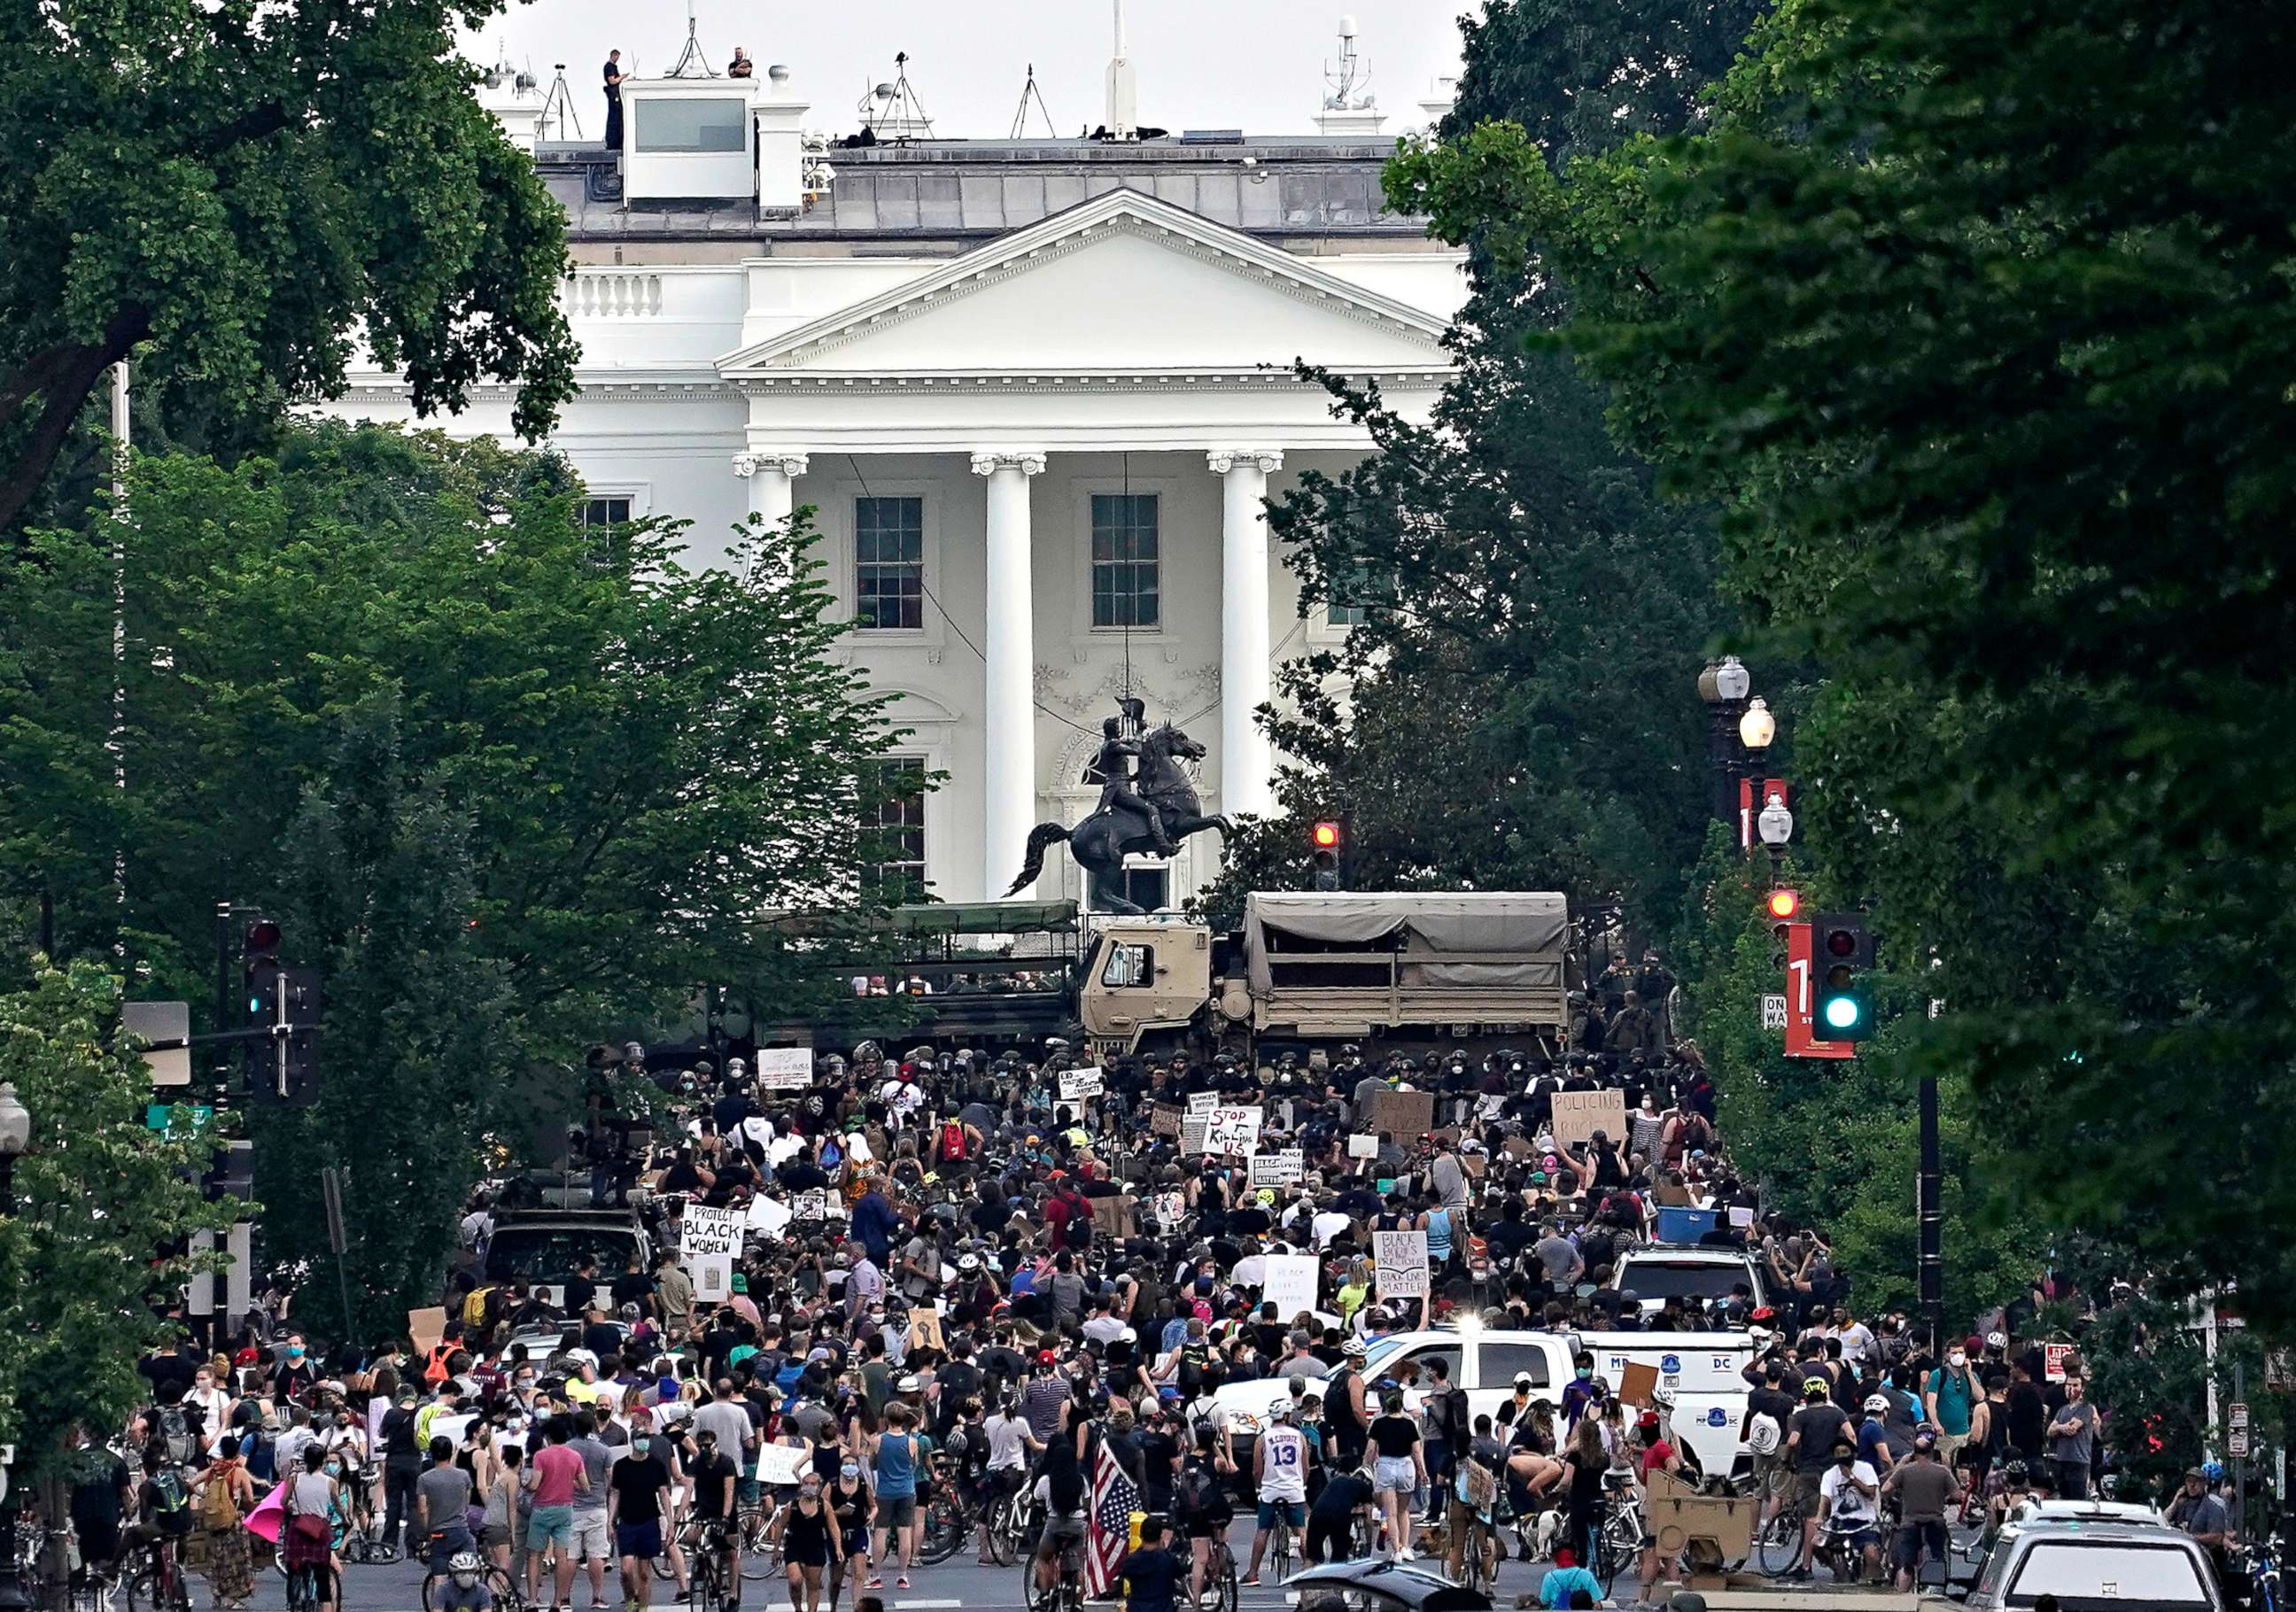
column 97, row 1197
column 1512, row 710
column 231, row 191
column 378, row 887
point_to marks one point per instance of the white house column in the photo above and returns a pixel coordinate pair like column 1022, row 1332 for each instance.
column 1009, row 779
column 773, row 483
column 1246, row 760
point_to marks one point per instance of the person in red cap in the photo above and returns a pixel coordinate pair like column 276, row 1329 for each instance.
column 1565, row 1579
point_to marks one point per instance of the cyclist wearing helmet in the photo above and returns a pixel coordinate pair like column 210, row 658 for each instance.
column 1873, row 1434
column 1809, row 1445
column 1279, row 1471
column 1344, row 1407
column 465, row 1587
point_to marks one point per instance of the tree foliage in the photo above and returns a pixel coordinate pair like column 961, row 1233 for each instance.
column 97, row 1199
column 233, row 191
column 1980, row 333
column 517, row 784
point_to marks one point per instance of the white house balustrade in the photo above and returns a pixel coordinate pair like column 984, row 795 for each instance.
column 592, row 293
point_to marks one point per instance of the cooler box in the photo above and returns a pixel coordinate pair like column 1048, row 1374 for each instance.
column 1685, row 1225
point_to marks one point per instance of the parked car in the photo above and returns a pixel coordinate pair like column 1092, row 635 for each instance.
column 2094, row 1556
column 1658, row 1272
column 542, row 1247
column 1367, row 1586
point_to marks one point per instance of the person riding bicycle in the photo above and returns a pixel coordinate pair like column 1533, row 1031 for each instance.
column 1478, row 1465
column 465, row 1588
column 1873, row 1435
column 1279, row 1471
column 1924, row 1487
column 714, row 1473
column 1849, row 1505
column 1201, row 1503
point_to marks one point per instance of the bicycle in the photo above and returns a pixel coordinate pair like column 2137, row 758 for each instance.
column 1003, row 1528
column 158, row 1581
column 310, row 1587
column 1618, row 1536
column 1067, row 1593
column 760, row 1549
column 506, row 1595
column 948, row 1524
column 1479, row 1556
column 1777, row 1546
column 1220, row 1582
column 712, row 1582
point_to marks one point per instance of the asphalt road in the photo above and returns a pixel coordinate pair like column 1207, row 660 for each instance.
column 958, row 1582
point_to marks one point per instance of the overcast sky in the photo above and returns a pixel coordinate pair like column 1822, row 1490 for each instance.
column 1253, row 64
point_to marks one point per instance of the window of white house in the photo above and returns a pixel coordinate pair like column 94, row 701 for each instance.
column 606, row 511
column 691, row 126
column 888, row 562
column 899, row 869
column 1126, row 591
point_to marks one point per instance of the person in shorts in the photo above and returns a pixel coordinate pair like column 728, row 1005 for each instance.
column 635, row 1507
column 553, row 1477
column 1849, row 1504
column 1399, row 1471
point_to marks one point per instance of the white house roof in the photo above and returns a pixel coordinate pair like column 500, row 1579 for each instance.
column 1126, row 281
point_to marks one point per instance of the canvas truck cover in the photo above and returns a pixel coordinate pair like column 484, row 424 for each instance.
column 1486, row 941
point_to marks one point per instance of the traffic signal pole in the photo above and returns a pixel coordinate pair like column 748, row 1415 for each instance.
column 1932, row 1207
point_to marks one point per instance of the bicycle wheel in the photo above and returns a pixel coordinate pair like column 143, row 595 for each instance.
column 1279, row 1551
column 757, row 1550
column 1034, row 1597
column 946, row 1526
column 1004, row 1548
column 1779, row 1544
column 430, row 1582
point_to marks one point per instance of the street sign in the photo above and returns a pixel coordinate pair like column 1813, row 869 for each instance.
column 1801, row 999
column 2053, row 1360
column 161, row 1022
column 1773, row 1009
column 2237, row 1444
column 177, row 1121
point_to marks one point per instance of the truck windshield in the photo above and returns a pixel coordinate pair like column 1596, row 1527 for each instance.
column 1665, row 1279
column 547, row 1254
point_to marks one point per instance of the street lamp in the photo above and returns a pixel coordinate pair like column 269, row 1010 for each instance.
column 1776, row 826
column 15, row 1136
column 1757, row 727
column 1723, row 686
column 1732, row 680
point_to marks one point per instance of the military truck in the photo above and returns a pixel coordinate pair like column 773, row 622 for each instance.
column 1401, row 970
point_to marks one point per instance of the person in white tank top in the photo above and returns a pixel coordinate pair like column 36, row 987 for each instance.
column 1279, row 1464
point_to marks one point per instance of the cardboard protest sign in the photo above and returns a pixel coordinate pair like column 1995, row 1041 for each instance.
column 1163, row 1120
column 1405, row 1115
column 426, row 1328
column 1112, row 1216
column 1233, row 1133
column 1362, row 1144
column 924, row 1330
column 1482, row 1486
column 1202, row 1102
column 1077, row 1084
column 1290, row 1284
column 1637, row 1382
column 811, row 1205
column 1276, row 1169
column 784, row 1068
column 711, row 1238
column 1400, row 1261
column 1578, row 1115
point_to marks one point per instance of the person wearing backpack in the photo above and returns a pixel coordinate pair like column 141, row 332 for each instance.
column 222, row 1496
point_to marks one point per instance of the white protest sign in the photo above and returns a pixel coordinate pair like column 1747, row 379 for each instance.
column 1192, row 1132
column 782, row 1463
column 711, row 1238
column 1401, row 1260
column 1741, row 1214
column 768, row 1215
column 1276, row 1169
column 784, row 1068
column 1578, row 1115
column 1362, row 1144
column 1290, row 1285
column 1077, row 1084
column 1233, row 1133
column 1202, row 1102
column 812, row 1206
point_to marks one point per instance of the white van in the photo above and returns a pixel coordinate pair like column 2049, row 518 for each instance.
column 1704, row 1372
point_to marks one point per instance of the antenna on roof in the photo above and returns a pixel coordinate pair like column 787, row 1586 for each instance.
column 1031, row 92
column 1123, row 89
column 893, row 110
column 692, row 61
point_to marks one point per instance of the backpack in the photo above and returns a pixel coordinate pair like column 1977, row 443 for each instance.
column 261, row 1454
column 172, row 1506
column 217, row 1509
column 952, row 1143
column 176, row 1433
column 1198, row 1491
column 474, row 1307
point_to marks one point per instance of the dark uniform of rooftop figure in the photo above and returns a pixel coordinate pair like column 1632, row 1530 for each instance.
column 614, row 101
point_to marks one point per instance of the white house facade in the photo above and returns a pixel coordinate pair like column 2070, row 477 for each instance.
column 1035, row 393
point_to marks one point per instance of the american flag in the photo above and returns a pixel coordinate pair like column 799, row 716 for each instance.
column 1108, row 1535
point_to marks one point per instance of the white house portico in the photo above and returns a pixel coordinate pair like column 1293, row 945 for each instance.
column 1036, row 400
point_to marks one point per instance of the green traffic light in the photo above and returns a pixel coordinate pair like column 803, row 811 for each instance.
column 255, row 1004
column 1842, row 1013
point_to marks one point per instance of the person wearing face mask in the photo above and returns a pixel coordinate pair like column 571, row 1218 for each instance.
column 1949, row 1395
column 1849, row 1505
column 852, row 1502
column 635, row 1504
column 297, row 1376
column 811, row 1542
column 1580, row 1392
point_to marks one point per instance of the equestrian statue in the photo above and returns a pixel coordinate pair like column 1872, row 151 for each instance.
column 1147, row 804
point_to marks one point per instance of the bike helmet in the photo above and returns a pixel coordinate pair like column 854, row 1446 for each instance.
column 1997, row 1340
column 1816, row 1385
column 1663, row 1398
column 1279, row 1409
column 2015, row 1472
column 2212, row 1471
column 1877, row 1405
column 465, row 1567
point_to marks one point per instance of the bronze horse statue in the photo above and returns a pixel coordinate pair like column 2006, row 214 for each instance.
column 1101, row 841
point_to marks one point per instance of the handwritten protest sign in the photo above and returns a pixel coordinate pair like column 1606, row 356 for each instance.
column 1578, row 1115
column 712, row 1236
column 1405, row 1115
column 1163, row 1120
column 782, row 1463
column 1276, row 1169
column 1202, row 1102
column 1290, row 1285
column 1362, row 1144
column 784, row 1068
column 1400, row 1258
column 1077, row 1084
column 1233, row 1133
column 426, row 1328
column 1192, row 1132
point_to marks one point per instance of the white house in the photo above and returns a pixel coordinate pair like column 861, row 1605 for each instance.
column 1036, row 391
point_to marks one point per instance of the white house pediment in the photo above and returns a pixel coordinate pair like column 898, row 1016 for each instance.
column 1125, row 282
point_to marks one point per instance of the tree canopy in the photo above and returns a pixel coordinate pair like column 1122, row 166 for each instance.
column 237, row 192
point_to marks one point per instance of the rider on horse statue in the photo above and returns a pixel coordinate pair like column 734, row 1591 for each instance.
column 1112, row 769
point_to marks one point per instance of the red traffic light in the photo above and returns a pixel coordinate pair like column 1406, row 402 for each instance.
column 262, row 937
column 1784, row 903
column 1842, row 943
column 1325, row 836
